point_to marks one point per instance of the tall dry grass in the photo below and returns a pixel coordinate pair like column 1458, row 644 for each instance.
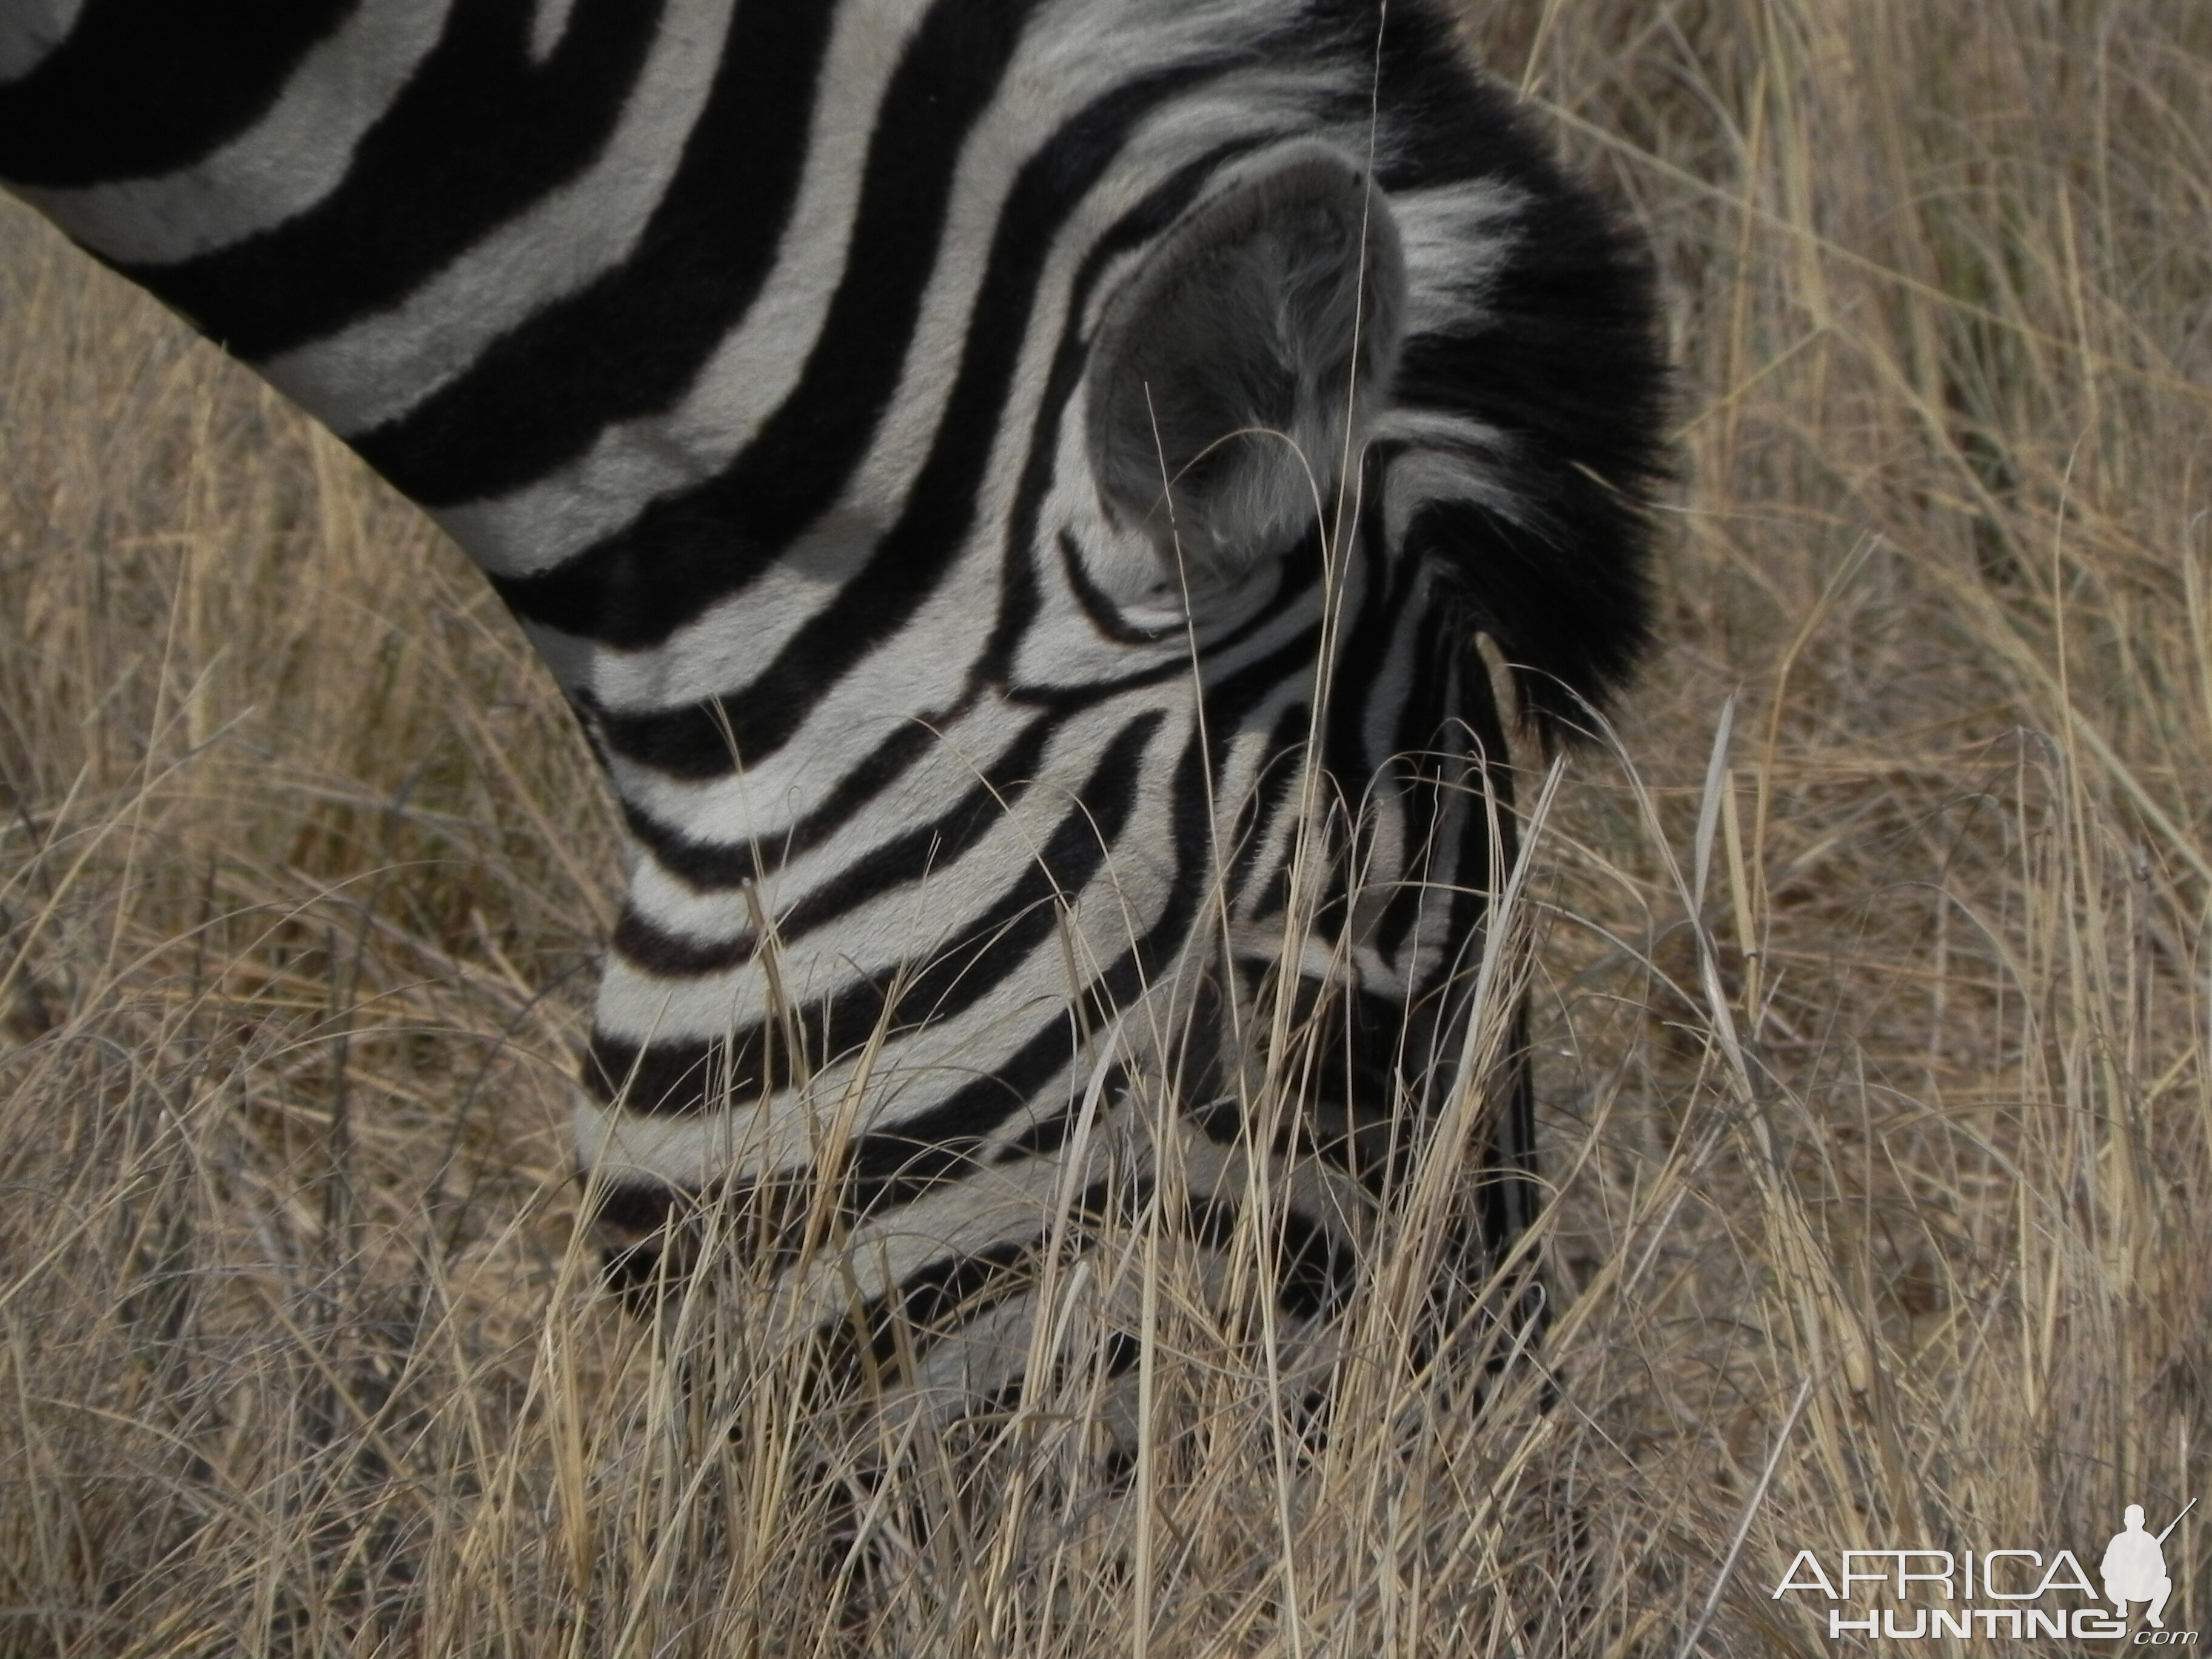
column 1871, row 990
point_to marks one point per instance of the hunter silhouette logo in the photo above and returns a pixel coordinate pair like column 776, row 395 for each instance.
column 2134, row 1568
column 2018, row 1587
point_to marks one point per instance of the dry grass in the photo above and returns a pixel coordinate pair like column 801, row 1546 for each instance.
column 1874, row 1044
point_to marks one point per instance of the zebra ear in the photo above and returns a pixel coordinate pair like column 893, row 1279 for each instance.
column 1228, row 374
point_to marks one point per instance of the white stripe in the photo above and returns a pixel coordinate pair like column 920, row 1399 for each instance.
column 290, row 160
column 550, row 23
column 29, row 30
column 383, row 365
column 924, row 667
column 1423, row 477
column 726, row 645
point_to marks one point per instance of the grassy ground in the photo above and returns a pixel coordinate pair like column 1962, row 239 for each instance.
column 1871, row 990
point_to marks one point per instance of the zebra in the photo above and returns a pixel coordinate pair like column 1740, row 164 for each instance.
column 1012, row 490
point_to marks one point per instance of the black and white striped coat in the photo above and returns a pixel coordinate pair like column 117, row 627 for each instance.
column 807, row 377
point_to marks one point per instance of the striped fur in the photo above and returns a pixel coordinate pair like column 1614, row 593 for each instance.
column 793, row 370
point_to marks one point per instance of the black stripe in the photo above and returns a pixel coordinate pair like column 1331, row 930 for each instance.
column 1175, row 665
column 1314, row 1268
column 940, row 1299
column 1364, row 642
column 896, row 1166
column 1047, row 1135
column 694, row 742
column 663, row 1077
column 1510, row 1195
column 1101, row 613
column 718, row 866
column 1432, row 776
column 933, row 1302
column 478, row 134
column 630, row 342
column 643, row 943
column 686, row 551
column 142, row 87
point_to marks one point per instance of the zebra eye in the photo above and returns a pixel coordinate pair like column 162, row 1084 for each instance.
column 1228, row 374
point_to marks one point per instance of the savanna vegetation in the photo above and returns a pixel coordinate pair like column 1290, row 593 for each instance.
column 1869, row 978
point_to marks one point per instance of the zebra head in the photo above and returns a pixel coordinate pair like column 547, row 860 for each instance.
column 1011, row 489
